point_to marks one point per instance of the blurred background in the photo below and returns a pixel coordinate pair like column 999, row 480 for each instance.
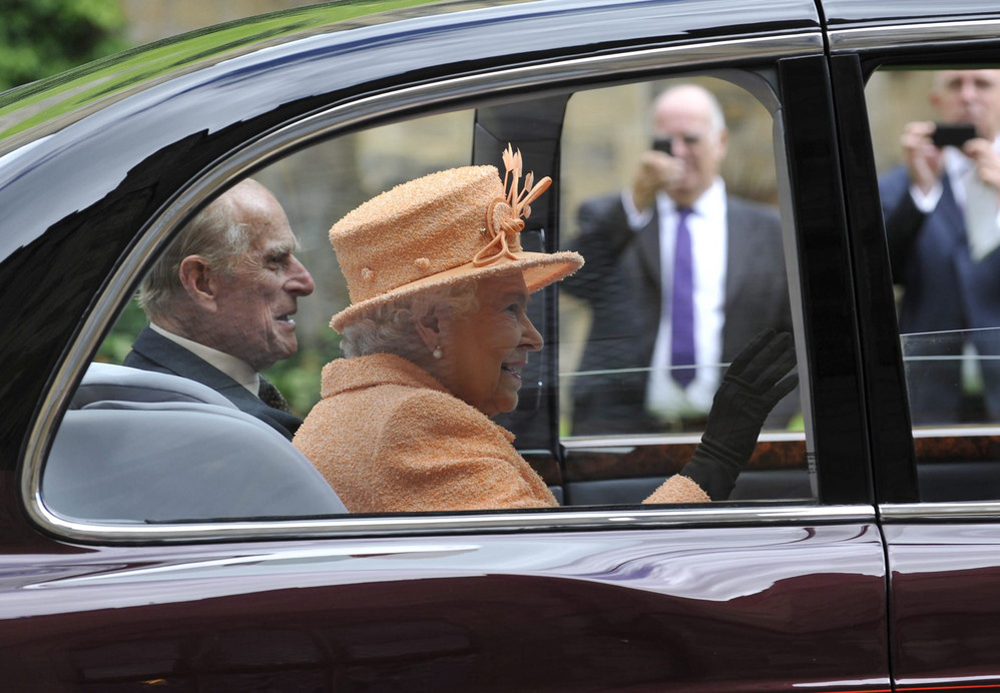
column 605, row 131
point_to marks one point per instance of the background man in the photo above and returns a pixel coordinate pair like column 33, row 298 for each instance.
column 221, row 302
column 679, row 276
column 941, row 216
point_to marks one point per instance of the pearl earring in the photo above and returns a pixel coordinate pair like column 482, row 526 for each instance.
column 437, row 353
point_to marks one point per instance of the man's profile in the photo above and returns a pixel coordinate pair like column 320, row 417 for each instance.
column 221, row 302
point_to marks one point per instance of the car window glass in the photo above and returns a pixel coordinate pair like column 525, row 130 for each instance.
column 187, row 437
column 930, row 127
column 617, row 349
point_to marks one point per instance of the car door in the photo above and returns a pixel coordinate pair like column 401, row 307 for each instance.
column 935, row 458
column 782, row 587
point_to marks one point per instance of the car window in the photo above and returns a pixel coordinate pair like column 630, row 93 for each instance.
column 930, row 128
column 619, row 375
column 146, row 418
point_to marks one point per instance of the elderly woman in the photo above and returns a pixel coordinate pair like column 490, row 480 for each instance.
column 434, row 342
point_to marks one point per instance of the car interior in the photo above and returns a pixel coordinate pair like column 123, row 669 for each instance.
column 139, row 468
column 559, row 135
column 138, row 446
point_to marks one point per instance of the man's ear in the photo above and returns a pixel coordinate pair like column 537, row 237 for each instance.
column 723, row 142
column 199, row 281
column 934, row 99
column 429, row 328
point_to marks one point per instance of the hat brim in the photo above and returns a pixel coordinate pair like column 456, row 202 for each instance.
column 539, row 269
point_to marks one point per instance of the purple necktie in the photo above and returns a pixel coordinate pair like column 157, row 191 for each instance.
column 682, row 305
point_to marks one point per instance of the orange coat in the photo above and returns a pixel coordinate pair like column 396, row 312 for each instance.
column 389, row 437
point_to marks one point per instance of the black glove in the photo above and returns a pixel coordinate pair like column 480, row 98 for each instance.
column 751, row 387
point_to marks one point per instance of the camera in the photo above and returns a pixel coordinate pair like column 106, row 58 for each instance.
column 954, row 135
column 663, row 144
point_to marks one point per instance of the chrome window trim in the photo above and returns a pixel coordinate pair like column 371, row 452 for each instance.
column 625, row 442
column 346, row 526
column 896, row 513
column 945, row 511
column 902, row 35
column 956, row 431
column 558, row 74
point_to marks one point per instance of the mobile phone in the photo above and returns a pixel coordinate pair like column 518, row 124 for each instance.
column 662, row 144
column 954, row 135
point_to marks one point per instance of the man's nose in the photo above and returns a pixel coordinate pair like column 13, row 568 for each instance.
column 300, row 282
column 531, row 337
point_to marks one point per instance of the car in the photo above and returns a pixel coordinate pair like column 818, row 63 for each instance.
column 163, row 541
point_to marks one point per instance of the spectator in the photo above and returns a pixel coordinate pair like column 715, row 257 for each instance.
column 941, row 218
column 679, row 276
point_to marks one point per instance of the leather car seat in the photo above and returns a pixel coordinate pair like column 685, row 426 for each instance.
column 138, row 446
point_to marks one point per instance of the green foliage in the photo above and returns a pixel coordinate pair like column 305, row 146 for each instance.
column 118, row 343
column 42, row 37
column 86, row 84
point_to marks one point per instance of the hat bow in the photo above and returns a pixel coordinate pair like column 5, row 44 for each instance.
column 505, row 216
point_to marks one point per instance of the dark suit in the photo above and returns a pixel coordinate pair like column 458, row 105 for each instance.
column 945, row 289
column 153, row 352
column 621, row 281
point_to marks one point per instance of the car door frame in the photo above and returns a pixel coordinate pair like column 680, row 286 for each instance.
column 941, row 555
column 368, row 550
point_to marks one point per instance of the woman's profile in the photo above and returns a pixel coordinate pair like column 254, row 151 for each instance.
column 434, row 342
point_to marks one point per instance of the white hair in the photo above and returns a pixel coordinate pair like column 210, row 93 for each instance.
column 717, row 119
column 391, row 327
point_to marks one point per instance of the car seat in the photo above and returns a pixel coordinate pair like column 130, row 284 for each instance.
column 139, row 446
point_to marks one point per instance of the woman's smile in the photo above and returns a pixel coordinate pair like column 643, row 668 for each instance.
column 486, row 350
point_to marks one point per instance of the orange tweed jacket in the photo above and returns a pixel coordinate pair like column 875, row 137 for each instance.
column 388, row 437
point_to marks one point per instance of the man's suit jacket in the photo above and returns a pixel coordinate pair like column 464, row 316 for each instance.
column 621, row 281
column 944, row 289
column 153, row 352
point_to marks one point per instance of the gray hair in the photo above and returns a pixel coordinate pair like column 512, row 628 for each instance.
column 391, row 327
column 215, row 235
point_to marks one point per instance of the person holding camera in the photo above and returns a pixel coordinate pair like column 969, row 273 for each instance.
column 941, row 216
column 679, row 276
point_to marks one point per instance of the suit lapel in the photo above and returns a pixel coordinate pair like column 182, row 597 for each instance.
column 739, row 247
column 951, row 214
column 160, row 354
column 173, row 358
column 648, row 242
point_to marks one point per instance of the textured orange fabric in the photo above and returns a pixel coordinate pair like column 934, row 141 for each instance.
column 388, row 437
column 428, row 233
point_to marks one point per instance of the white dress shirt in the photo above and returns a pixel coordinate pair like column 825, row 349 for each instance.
column 235, row 368
column 665, row 398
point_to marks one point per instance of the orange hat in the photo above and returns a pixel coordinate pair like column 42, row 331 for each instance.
column 442, row 229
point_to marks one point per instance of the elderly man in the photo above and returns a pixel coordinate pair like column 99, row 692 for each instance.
column 679, row 276
column 221, row 302
column 941, row 215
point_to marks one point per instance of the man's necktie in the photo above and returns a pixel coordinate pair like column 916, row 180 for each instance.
column 270, row 395
column 682, row 305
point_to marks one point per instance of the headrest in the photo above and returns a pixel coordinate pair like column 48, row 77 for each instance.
column 105, row 381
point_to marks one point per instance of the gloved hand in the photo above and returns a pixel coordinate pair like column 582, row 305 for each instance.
column 749, row 390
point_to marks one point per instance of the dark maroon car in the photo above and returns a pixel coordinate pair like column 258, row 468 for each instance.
column 159, row 547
